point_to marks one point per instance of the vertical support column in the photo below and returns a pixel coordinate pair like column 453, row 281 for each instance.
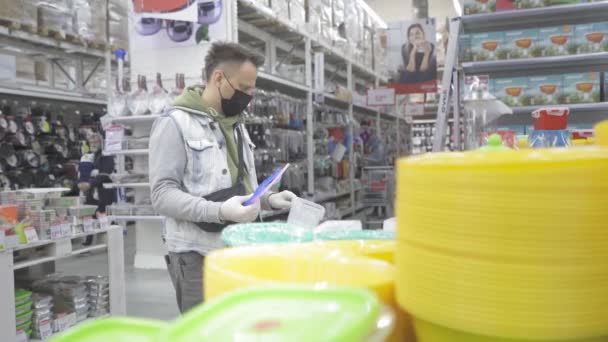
column 378, row 126
column 79, row 74
column 7, row 298
column 310, row 148
column 456, row 108
column 444, row 95
column 272, row 56
column 351, row 153
column 116, row 271
column 398, row 137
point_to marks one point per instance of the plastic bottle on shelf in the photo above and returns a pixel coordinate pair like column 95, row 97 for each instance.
column 159, row 98
column 138, row 100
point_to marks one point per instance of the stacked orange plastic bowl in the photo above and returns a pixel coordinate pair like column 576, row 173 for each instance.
column 505, row 246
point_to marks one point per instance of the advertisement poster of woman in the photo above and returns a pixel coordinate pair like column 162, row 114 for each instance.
column 412, row 56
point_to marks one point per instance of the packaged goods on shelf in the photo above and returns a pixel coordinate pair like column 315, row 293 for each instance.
column 297, row 13
column 488, row 46
column 22, row 13
column 476, row 7
column 280, row 8
column 581, row 87
column 545, row 89
column 521, row 43
column 513, row 91
column 118, row 24
column 554, row 40
column 55, row 17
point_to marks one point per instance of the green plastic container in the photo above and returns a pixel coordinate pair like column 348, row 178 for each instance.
column 24, row 317
column 23, row 308
column 24, row 326
column 22, row 297
column 113, row 329
column 264, row 233
column 356, row 235
column 281, row 314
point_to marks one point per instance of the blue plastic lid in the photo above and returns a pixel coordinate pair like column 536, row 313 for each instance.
column 120, row 53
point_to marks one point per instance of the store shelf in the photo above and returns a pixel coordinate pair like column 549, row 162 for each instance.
column 541, row 65
column 83, row 322
column 536, row 17
column 126, row 185
column 266, row 80
column 55, row 253
column 584, row 113
column 127, row 120
column 137, row 218
column 50, row 47
column 134, row 152
column 263, row 18
column 50, row 93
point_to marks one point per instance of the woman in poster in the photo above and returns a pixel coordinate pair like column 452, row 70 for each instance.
column 419, row 60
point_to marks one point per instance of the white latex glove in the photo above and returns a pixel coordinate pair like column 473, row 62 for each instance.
column 233, row 210
column 282, row 200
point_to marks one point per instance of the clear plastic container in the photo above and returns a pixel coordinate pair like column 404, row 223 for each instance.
column 114, row 329
column 23, row 308
column 22, row 297
column 24, row 318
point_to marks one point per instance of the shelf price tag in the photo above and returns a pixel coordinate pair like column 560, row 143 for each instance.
column 87, row 224
column 65, row 322
column 381, row 97
column 45, row 329
column 21, row 336
column 56, row 230
column 66, row 229
column 414, row 109
column 104, row 222
column 30, row 234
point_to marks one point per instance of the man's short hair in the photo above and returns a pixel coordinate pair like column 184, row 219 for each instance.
column 225, row 52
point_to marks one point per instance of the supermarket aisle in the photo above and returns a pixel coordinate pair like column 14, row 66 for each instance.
column 150, row 293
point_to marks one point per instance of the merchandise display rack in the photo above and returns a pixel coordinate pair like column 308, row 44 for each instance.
column 586, row 113
column 276, row 33
column 49, row 251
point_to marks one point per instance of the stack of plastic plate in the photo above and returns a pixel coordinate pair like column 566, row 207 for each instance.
column 496, row 246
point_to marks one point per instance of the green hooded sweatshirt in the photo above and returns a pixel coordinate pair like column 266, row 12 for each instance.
column 192, row 98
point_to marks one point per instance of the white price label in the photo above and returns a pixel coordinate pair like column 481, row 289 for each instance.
column 104, row 222
column 56, row 231
column 30, row 234
column 87, row 224
column 21, row 336
column 381, row 97
column 414, row 109
column 45, row 330
column 66, row 229
column 65, row 322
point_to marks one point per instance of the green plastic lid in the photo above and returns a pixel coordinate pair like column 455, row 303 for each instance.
column 23, row 308
column 494, row 144
column 24, row 326
column 113, row 329
column 22, row 295
column 367, row 234
column 264, row 233
column 281, row 314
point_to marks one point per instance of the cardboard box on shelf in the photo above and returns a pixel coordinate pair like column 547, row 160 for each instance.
column 582, row 87
column 592, row 37
column 554, row 40
column 19, row 14
column 514, row 92
column 522, row 44
column 546, row 90
column 488, row 46
column 479, row 6
column 505, row 5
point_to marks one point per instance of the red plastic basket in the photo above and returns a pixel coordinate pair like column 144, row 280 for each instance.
column 554, row 118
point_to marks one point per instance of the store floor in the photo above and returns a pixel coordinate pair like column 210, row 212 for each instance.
column 150, row 293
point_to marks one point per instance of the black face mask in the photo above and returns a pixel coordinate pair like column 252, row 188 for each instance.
column 237, row 103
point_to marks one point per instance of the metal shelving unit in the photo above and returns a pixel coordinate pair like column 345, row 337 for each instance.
column 523, row 19
column 259, row 27
column 47, row 251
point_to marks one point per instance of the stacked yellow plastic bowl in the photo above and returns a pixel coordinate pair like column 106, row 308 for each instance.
column 328, row 263
column 503, row 246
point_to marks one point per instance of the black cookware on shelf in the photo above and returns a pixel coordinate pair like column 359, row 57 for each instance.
column 3, row 127
column 29, row 158
column 5, row 182
column 20, row 140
